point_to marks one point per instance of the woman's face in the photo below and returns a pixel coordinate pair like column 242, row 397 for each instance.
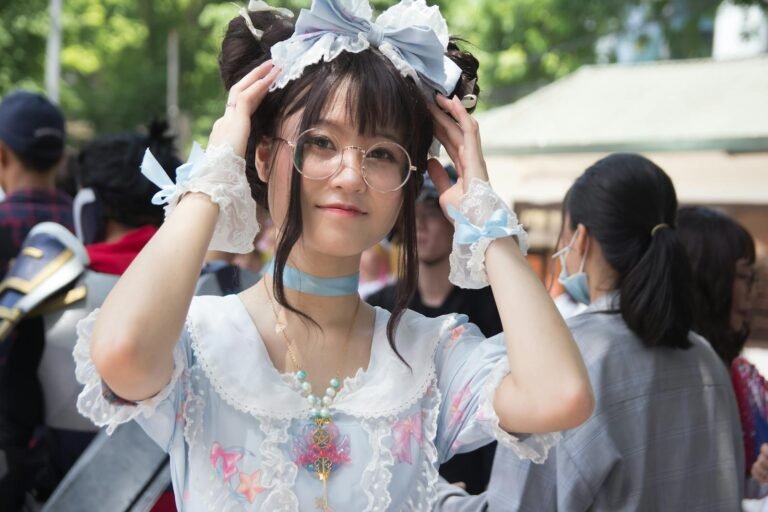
column 342, row 216
column 744, row 291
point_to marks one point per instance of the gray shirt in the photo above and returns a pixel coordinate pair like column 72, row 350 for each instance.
column 665, row 434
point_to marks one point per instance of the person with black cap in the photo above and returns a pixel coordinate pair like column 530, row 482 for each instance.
column 31, row 148
column 435, row 295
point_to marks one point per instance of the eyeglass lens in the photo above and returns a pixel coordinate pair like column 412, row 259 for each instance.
column 318, row 155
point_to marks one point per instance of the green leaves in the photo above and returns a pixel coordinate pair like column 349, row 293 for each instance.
column 114, row 54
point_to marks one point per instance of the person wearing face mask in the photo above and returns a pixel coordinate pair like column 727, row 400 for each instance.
column 665, row 434
column 575, row 297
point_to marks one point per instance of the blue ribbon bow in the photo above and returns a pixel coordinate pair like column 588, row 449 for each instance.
column 467, row 233
column 414, row 39
column 154, row 172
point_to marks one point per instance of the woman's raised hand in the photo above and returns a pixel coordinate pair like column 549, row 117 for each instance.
column 459, row 134
column 233, row 128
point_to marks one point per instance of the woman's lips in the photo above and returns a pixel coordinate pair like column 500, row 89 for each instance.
column 343, row 210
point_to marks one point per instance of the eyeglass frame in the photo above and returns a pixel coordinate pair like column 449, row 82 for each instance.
column 363, row 151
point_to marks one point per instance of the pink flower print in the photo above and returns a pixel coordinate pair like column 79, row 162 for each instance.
column 458, row 404
column 229, row 460
column 402, row 432
column 250, row 486
column 455, row 336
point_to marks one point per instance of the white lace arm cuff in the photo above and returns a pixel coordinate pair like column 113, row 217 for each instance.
column 221, row 176
column 468, row 260
column 92, row 402
column 526, row 446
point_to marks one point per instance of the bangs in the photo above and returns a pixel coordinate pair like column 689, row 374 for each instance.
column 377, row 100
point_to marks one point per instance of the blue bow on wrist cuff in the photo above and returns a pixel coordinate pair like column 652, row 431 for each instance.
column 154, row 172
column 467, row 233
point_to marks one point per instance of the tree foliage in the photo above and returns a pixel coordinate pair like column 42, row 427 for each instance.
column 114, row 53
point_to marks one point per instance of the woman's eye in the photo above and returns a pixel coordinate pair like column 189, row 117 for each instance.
column 321, row 142
column 381, row 154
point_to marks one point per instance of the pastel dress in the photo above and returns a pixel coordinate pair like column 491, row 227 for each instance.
column 239, row 433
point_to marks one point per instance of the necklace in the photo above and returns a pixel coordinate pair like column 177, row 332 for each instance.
column 324, row 453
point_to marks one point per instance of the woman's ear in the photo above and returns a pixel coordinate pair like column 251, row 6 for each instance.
column 581, row 244
column 263, row 156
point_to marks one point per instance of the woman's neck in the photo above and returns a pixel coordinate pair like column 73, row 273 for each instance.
column 327, row 310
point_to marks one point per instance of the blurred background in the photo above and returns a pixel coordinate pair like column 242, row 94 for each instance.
column 563, row 83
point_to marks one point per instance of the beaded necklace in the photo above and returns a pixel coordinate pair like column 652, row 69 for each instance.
column 325, row 453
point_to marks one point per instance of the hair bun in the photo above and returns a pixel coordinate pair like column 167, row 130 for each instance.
column 242, row 51
column 467, row 84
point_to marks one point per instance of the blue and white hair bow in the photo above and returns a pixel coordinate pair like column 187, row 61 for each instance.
column 155, row 173
column 495, row 227
column 411, row 34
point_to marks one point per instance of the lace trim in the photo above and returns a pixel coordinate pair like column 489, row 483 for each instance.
column 468, row 261
column 91, row 402
column 278, row 473
column 393, row 369
column 426, row 487
column 529, row 446
column 193, row 407
column 222, row 177
column 377, row 475
column 224, row 391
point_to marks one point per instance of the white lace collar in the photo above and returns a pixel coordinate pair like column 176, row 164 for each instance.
column 235, row 360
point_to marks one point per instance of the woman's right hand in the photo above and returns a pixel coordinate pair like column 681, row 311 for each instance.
column 233, row 128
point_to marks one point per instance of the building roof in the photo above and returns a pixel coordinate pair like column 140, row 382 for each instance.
column 683, row 105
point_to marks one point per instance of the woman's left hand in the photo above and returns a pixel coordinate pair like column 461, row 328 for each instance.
column 459, row 133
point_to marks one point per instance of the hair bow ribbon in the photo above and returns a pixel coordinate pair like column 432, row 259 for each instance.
column 411, row 34
column 495, row 227
column 155, row 173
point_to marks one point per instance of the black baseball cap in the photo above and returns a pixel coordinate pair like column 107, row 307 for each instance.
column 33, row 128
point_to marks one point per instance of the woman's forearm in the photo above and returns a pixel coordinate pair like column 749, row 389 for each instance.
column 141, row 319
column 548, row 388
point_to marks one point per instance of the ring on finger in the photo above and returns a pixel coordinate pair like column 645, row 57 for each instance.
column 231, row 104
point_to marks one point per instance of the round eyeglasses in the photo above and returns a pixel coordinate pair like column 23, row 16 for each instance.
column 317, row 155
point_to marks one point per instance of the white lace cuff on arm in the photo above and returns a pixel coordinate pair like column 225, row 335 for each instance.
column 479, row 206
column 94, row 401
column 526, row 446
column 219, row 173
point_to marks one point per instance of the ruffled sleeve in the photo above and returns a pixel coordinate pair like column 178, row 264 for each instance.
column 470, row 369
column 156, row 415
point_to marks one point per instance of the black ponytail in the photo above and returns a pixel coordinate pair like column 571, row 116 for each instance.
column 628, row 204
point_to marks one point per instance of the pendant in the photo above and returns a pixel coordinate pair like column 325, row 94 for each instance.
column 321, row 450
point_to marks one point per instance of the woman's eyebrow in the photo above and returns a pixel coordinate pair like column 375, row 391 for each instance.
column 329, row 123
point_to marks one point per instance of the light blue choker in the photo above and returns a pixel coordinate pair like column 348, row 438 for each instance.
column 295, row 279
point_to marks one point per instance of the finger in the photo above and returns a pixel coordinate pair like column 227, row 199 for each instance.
column 764, row 449
column 446, row 125
column 449, row 135
column 469, row 126
column 250, row 98
column 255, row 74
column 438, row 175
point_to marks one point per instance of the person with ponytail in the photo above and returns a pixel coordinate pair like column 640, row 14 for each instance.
column 665, row 434
column 294, row 395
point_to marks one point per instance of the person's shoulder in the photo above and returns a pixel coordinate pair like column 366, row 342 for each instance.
column 384, row 298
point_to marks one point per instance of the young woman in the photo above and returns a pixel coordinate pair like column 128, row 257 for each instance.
column 722, row 255
column 665, row 434
column 295, row 395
